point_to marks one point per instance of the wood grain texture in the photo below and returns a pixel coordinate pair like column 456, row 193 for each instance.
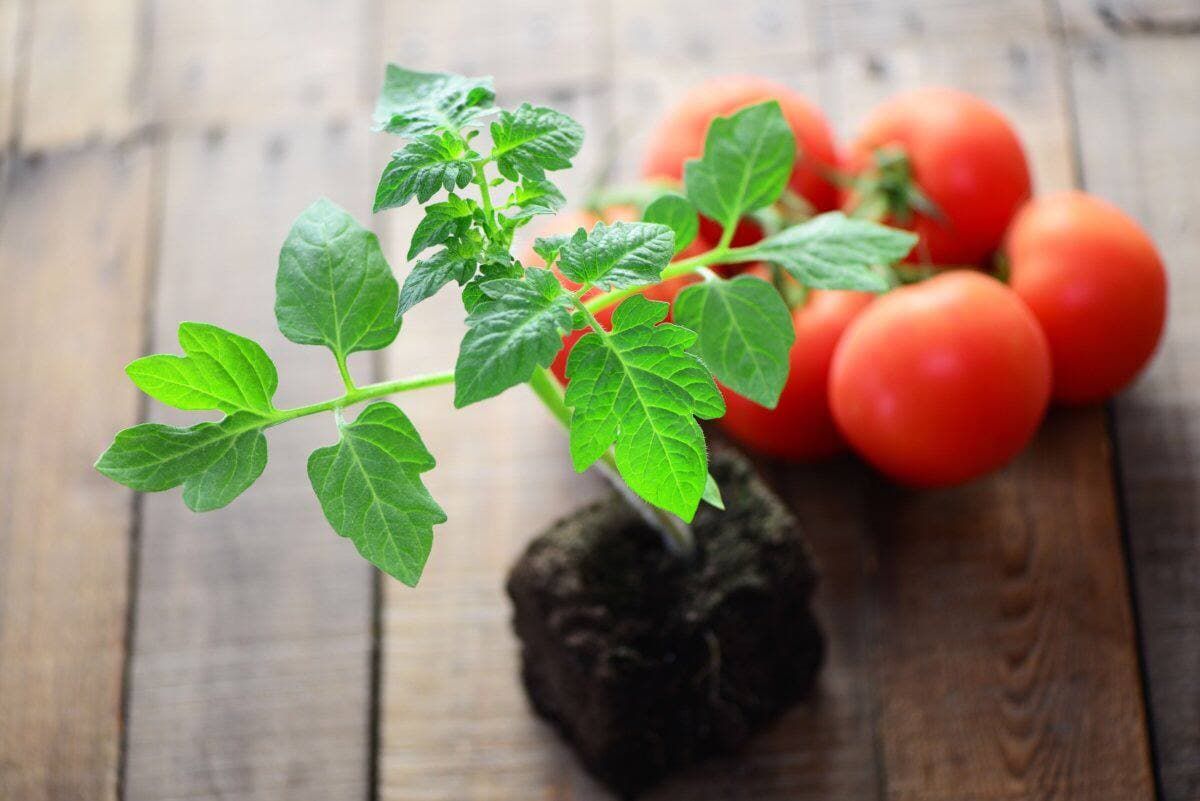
column 455, row 724
column 1134, row 92
column 533, row 44
column 1002, row 637
column 11, row 18
column 74, row 275
column 222, row 62
column 1004, row 640
column 251, row 661
column 86, row 62
column 981, row 641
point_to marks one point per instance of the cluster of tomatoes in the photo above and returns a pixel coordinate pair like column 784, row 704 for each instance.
column 1014, row 302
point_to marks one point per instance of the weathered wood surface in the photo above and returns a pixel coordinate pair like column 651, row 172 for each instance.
column 454, row 723
column 1002, row 639
column 251, row 664
column 1134, row 70
column 982, row 643
column 10, row 59
column 71, row 316
column 74, row 272
column 251, row 651
column 85, row 72
column 223, row 62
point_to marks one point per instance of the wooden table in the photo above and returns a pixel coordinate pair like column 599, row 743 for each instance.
column 1032, row 635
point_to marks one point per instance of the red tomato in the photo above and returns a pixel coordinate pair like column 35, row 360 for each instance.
column 1095, row 282
column 939, row 382
column 568, row 222
column 965, row 157
column 680, row 137
column 801, row 426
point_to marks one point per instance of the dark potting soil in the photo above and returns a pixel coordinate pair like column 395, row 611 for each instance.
column 646, row 663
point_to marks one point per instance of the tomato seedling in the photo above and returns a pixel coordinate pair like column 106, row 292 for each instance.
column 636, row 392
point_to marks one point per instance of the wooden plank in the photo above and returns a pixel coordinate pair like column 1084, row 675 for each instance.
column 1138, row 131
column 532, row 44
column 725, row 37
column 880, row 26
column 71, row 313
column 1002, row 636
column 85, row 66
column 226, row 61
column 11, row 16
column 455, row 724
column 251, row 671
column 1136, row 18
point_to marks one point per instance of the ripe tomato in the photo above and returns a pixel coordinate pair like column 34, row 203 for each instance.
column 963, row 156
column 568, row 222
column 801, row 426
column 680, row 137
column 939, row 382
column 1095, row 282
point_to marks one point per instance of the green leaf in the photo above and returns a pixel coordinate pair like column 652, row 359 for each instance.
column 834, row 251
column 747, row 161
column 442, row 222
column 744, row 332
column 334, row 287
column 370, row 489
column 422, row 167
column 548, row 247
column 428, row 276
column 472, row 294
column 639, row 388
column 415, row 103
column 532, row 139
column 239, row 466
column 533, row 197
column 618, row 255
column 220, row 370
column 517, row 329
column 214, row 462
column 678, row 214
column 712, row 493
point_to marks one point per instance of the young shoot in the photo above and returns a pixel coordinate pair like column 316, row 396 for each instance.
column 636, row 392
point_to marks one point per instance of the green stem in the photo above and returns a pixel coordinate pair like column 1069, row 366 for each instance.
column 674, row 270
column 347, row 381
column 364, row 393
column 485, row 194
column 550, row 393
column 727, row 235
column 586, row 309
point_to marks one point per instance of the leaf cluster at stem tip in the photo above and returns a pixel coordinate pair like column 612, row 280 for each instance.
column 636, row 392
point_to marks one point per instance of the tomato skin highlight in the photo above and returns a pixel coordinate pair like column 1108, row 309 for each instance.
column 569, row 222
column 967, row 159
column 800, row 427
column 679, row 137
column 1095, row 282
column 940, row 382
